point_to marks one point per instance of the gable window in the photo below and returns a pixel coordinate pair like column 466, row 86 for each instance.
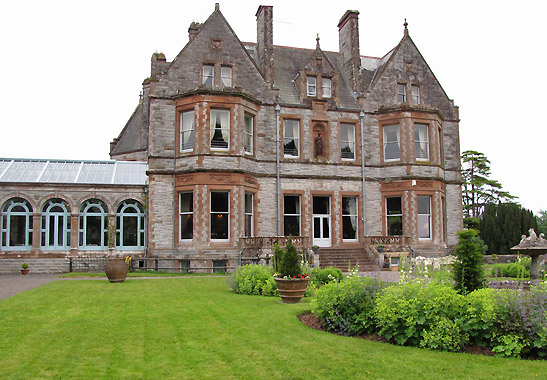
column 220, row 129
column 421, row 138
column 220, row 215
column 208, row 75
column 248, row 134
column 291, row 137
column 312, row 86
column 249, row 222
column 186, row 216
column 291, row 215
column 16, row 225
column 349, row 218
column 226, row 76
column 56, row 225
column 394, row 216
column 415, row 92
column 424, row 217
column 187, row 131
column 392, row 148
column 401, row 93
column 93, row 226
column 347, row 141
column 326, row 87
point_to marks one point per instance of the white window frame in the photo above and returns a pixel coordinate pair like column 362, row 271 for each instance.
column 311, row 86
column 348, row 142
column 224, row 130
column 188, row 133
column 6, row 216
column 394, row 215
column 61, row 221
column 295, row 126
column 387, row 143
column 208, row 75
column 424, row 217
column 421, row 141
column 130, row 208
column 415, row 94
column 226, row 76
column 249, row 197
column 186, row 214
column 212, row 212
column 83, row 224
column 353, row 215
column 298, row 214
column 401, row 93
column 326, row 87
column 248, row 133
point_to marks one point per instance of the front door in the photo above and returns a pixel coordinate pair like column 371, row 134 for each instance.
column 321, row 222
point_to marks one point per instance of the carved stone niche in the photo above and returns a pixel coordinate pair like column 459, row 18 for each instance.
column 320, row 140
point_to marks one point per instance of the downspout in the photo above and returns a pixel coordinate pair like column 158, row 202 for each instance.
column 278, row 190
column 174, row 183
column 361, row 122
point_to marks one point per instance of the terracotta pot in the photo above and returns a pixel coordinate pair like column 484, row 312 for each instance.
column 116, row 269
column 24, row 271
column 291, row 290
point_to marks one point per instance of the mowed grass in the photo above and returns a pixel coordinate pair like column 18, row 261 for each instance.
column 196, row 328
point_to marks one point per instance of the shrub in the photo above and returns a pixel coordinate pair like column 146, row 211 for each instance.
column 254, row 279
column 513, row 270
column 347, row 307
column 289, row 265
column 324, row 276
column 408, row 312
column 24, row 266
column 480, row 316
column 468, row 272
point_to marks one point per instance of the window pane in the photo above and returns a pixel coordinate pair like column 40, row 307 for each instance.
column 208, row 75
column 401, row 95
column 219, row 226
column 220, row 129
column 311, row 81
column 394, row 215
column 292, row 204
column 347, row 140
column 186, row 226
column 415, row 94
column 424, row 217
column 187, row 130
column 291, row 220
column 291, row 137
column 292, row 225
column 226, row 76
column 248, row 135
column 93, row 231
column 186, row 202
column 130, row 231
column 391, row 143
column 421, row 138
column 349, row 218
column 17, row 230
column 219, row 202
column 327, row 91
column 321, row 205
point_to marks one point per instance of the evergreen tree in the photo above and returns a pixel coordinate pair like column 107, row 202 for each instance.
column 468, row 273
column 541, row 221
column 290, row 262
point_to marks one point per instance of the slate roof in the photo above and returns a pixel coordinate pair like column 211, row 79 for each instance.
column 73, row 172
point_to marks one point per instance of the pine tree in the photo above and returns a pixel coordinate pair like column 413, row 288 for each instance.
column 468, row 273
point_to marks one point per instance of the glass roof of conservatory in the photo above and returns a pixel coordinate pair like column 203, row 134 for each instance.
column 70, row 171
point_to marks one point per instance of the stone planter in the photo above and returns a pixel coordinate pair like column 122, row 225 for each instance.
column 116, row 269
column 291, row 290
column 24, row 272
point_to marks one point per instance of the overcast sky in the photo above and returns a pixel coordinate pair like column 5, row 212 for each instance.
column 72, row 70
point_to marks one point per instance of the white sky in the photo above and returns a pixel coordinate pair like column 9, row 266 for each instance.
column 72, row 70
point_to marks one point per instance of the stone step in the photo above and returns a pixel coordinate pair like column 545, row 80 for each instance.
column 49, row 265
column 346, row 259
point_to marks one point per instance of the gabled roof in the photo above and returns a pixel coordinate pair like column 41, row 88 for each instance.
column 129, row 139
column 73, row 172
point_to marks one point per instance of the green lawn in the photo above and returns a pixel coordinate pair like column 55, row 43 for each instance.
column 196, row 328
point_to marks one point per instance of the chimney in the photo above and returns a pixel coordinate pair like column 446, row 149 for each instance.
column 348, row 40
column 157, row 65
column 264, row 39
column 193, row 30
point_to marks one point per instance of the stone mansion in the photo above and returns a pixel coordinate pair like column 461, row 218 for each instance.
column 236, row 145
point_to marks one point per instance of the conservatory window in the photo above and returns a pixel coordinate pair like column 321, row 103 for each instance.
column 220, row 129
column 186, row 216
column 130, row 225
column 16, row 225
column 248, row 134
column 208, row 75
column 249, row 219
column 424, row 217
column 291, row 134
column 55, row 230
column 93, row 225
column 394, row 216
column 220, row 215
column 392, row 149
column 347, row 132
column 349, row 218
column 226, row 76
column 421, row 138
column 187, row 131
column 291, row 217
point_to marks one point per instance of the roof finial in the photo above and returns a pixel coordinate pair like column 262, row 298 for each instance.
column 317, row 39
column 217, row 7
column 406, row 27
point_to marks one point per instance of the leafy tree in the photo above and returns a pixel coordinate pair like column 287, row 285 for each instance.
column 542, row 222
column 478, row 188
column 468, row 273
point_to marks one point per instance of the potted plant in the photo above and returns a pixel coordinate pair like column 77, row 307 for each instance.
column 380, row 248
column 24, row 269
column 116, row 268
column 291, row 283
column 315, row 249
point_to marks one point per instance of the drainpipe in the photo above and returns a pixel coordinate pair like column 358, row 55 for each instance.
column 361, row 122
column 278, row 191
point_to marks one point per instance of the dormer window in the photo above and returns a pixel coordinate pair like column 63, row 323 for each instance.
column 415, row 92
column 208, row 75
column 312, row 86
column 326, row 87
column 401, row 94
column 226, row 76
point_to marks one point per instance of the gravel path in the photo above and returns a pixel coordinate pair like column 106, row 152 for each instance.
column 11, row 284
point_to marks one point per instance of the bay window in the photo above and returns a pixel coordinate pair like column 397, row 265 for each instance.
column 249, row 217
column 186, row 216
column 220, row 215
column 187, row 131
column 220, row 129
column 392, row 148
column 421, row 138
column 248, row 134
column 424, row 217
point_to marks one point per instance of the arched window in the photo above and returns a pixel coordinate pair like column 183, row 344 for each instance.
column 130, row 225
column 55, row 225
column 93, row 225
column 16, row 225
